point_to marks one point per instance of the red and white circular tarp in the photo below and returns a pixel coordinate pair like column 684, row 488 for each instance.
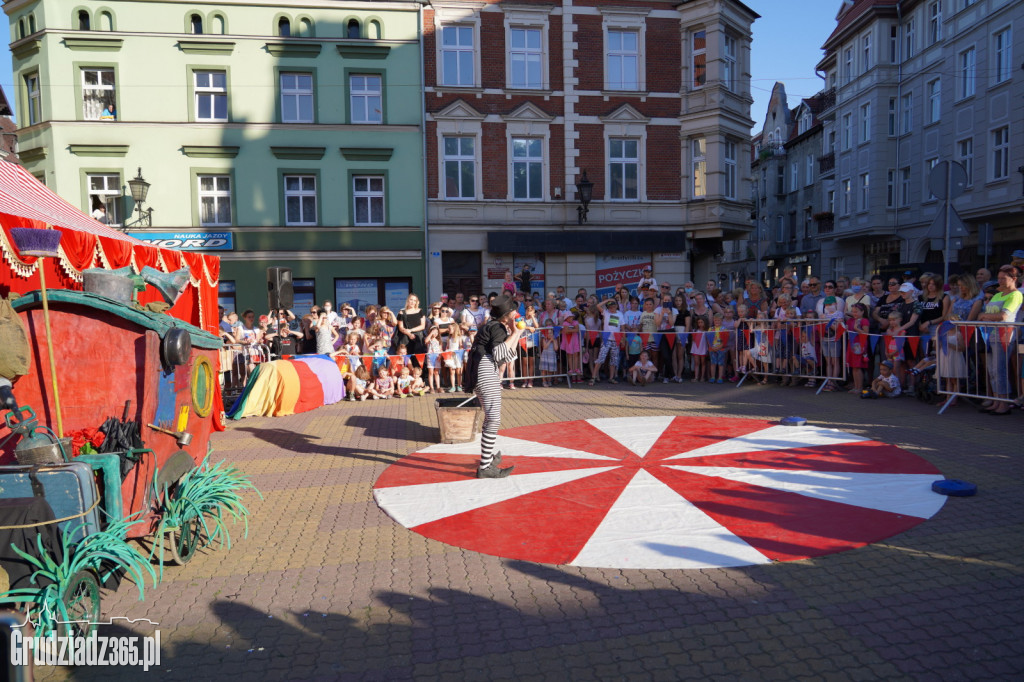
column 663, row 492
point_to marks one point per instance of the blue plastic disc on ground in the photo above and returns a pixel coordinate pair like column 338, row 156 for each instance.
column 954, row 488
column 793, row 421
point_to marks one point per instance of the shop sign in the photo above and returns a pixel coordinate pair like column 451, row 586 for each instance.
column 187, row 241
column 626, row 269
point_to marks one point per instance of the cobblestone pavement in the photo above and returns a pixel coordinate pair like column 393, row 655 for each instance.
column 327, row 587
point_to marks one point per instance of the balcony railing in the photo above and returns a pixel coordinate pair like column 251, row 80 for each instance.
column 826, row 225
column 827, row 163
column 828, row 99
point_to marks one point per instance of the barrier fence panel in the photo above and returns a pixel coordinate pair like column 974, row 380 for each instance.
column 814, row 350
column 237, row 362
column 980, row 361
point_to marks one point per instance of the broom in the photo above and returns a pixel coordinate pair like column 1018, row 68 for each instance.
column 43, row 243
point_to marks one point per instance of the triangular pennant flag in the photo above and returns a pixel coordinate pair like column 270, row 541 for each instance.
column 460, row 354
column 944, row 328
column 431, row 358
column 558, row 329
column 873, row 341
column 771, row 336
column 522, row 343
column 746, row 334
column 629, row 337
column 618, row 338
column 645, row 338
column 368, row 363
column 395, row 362
column 671, row 338
column 943, row 340
column 606, row 337
column 965, row 331
column 724, row 336
column 405, row 359
column 841, row 328
column 420, row 357
column 900, row 340
column 682, row 336
column 914, row 343
column 757, row 336
column 592, row 336
column 984, row 333
column 862, row 339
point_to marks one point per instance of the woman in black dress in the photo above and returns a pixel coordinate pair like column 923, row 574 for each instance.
column 411, row 323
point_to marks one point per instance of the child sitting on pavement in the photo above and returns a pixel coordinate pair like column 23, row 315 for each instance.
column 885, row 384
column 643, row 371
column 417, row 387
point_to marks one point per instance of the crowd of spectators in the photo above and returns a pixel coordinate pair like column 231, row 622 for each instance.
column 875, row 337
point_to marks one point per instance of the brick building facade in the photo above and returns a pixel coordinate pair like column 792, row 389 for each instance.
column 651, row 100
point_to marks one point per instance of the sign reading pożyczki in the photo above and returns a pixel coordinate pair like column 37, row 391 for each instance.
column 626, row 269
column 187, row 241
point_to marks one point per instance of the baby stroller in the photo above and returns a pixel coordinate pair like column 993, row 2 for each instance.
column 926, row 385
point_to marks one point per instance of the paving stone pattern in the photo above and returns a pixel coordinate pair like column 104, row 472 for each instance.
column 327, row 587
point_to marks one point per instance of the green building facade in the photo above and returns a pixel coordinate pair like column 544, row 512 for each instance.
column 273, row 135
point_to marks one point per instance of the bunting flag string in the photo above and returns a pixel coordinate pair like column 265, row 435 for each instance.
column 914, row 342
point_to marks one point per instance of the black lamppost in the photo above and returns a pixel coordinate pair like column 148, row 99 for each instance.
column 585, row 192
column 139, row 189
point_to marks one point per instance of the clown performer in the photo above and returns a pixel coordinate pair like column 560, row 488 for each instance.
column 495, row 345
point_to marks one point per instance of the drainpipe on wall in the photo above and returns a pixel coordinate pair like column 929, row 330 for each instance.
column 423, row 153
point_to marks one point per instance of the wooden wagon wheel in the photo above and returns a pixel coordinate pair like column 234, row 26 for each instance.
column 81, row 597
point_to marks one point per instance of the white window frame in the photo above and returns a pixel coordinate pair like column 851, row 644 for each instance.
column 622, row 55
column 933, row 89
column 450, row 17
column 929, row 165
column 217, row 195
column 212, row 92
column 459, row 158
column 527, row 54
column 904, row 176
column 729, row 155
column 890, row 188
column 892, row 122
column 830, row 201
column 967, row 69
column 109, row 195
column 303, row 196
column 297, row 94
column 1002, row 55
column 625, row 161
column 794, row 175
column 370, row 196
column 865, row 122
column 699, row 167
column 909, row 38
column 965, row 155
column 34, row 97
column 367, row 100
column 729, row 43
column 847, row 131
column 865, row 191
column 934, row 22
column 865, row 52
column 780, row 229
column 846, row 195
column 1000, row 138
column 528, row 161
column 102, row 92
column 809, row 178
column 696, row 52
column 894, row 44
column 848, row 65
column 907, row 113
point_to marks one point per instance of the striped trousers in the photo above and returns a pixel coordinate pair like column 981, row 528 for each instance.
column 488, row 390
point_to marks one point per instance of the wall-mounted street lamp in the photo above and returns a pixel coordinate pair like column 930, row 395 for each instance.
column 585, row 192
column 139, row 189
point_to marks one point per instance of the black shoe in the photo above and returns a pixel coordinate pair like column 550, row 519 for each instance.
column 496, row 460
column 494, row 472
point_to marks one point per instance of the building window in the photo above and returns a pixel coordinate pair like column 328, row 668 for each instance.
column 865, row 52
column 211, row 89
column 865, row 198
column 907, row 111
column 809, row 174
column 525, row 58
column 968, row 72
column 284, row 27
column 830, row 201
column 929, row 164
column 1003, row 50
column 729, row 63
column 794, row 176
column 699, row 166
column 894, row 44
column 623, row 168
column 368, row 194
column 730, row 170
column 780, row 179
column 965, row 153
column 908, row 39
column 830, row 142
column 623, row 60
column 35, row 103
column 934, row 100
column 699, row 58
column 934, row 22
column 459, row 168
column 457, row 58
column 1001, row 153
column 83, row 20
column 105, row 197
column 905, row 186
column 353, row 29
column 365, row 93
column 527, row 168
column 296, row 98
column 847, row 131
column 300, row 200
column 98, row 94
column 865, row 122
column 847, row 196
column 214, row 200
column 890, row 188
column 195, row 23
column 780, row 229
column 847, row 65
column 891, row 121
column 226, row 295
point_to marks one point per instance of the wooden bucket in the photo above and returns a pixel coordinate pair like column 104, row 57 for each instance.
column 459, row 424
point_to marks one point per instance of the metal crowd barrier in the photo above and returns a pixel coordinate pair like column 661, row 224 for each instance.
column 809, row 349
column 237, row 361
column 979, row 361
